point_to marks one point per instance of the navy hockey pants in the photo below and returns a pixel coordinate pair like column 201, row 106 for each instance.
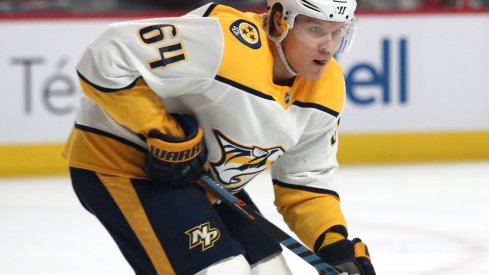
column 163, row 229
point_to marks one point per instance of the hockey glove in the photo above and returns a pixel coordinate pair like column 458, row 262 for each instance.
column 348, row 256
column 175, row 160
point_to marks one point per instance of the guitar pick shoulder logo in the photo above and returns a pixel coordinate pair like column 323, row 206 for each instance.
column 240, row 163
column 247, row 33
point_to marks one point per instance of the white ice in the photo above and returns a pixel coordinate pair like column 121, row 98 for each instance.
column 416, row 219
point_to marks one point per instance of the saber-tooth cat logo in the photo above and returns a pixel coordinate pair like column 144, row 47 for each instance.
column 203, row 235
column 240, row 163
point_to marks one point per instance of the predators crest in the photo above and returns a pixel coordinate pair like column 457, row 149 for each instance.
column 247, row 33
column 240, row 163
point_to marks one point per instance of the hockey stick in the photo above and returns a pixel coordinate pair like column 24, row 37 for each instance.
column 266, row 226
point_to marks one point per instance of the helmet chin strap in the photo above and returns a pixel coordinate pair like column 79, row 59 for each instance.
column 278, row 44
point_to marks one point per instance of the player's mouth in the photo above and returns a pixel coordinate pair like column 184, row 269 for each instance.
column 321, row 62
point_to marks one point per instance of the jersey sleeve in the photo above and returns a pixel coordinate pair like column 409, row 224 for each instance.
column 305, row 193
column 134, row 66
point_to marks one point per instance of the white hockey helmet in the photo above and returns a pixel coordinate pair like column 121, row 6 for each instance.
column 328, row 10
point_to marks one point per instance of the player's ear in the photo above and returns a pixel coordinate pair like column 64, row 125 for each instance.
column 277, row 24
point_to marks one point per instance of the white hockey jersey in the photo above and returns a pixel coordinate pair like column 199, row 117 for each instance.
column 215, row 64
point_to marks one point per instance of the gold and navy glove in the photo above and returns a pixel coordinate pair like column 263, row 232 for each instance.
column 175, row 160
column 349, row 256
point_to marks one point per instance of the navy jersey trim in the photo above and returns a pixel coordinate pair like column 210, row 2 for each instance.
column 243, row 87
column 109, row 135
column 103, row 89
column 209, row 10
column 316, row 106
column 305, row 188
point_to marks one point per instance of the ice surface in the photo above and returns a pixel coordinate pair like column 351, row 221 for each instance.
column 416, row 219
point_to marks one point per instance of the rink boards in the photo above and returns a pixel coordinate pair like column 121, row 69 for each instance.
column 417, row 89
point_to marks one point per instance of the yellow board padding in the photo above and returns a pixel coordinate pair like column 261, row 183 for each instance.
column 413, row 147
column 32, row 160
column 46, row 160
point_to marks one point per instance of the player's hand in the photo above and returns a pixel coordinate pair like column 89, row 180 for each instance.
column 175, row 160
column 349, row 256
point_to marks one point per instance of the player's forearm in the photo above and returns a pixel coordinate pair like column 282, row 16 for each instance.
column 308, row 214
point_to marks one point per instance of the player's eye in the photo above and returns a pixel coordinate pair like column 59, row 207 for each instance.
column 316, row 30
column 337, row 33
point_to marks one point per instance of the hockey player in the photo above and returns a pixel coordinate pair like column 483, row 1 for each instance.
column 222, row 92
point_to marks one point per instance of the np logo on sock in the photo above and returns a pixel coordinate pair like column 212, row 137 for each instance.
column 247, row 33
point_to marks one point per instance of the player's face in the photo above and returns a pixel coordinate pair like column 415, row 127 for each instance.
column 310, row 44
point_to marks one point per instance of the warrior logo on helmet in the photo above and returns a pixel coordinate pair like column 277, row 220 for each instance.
column 240, row 163
column 341, row 9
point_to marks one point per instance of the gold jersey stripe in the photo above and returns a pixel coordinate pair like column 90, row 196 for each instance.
column 92, row 152
column 127, row 200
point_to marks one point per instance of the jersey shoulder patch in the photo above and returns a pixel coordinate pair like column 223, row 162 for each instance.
column 246, row 32
column 247, row 59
